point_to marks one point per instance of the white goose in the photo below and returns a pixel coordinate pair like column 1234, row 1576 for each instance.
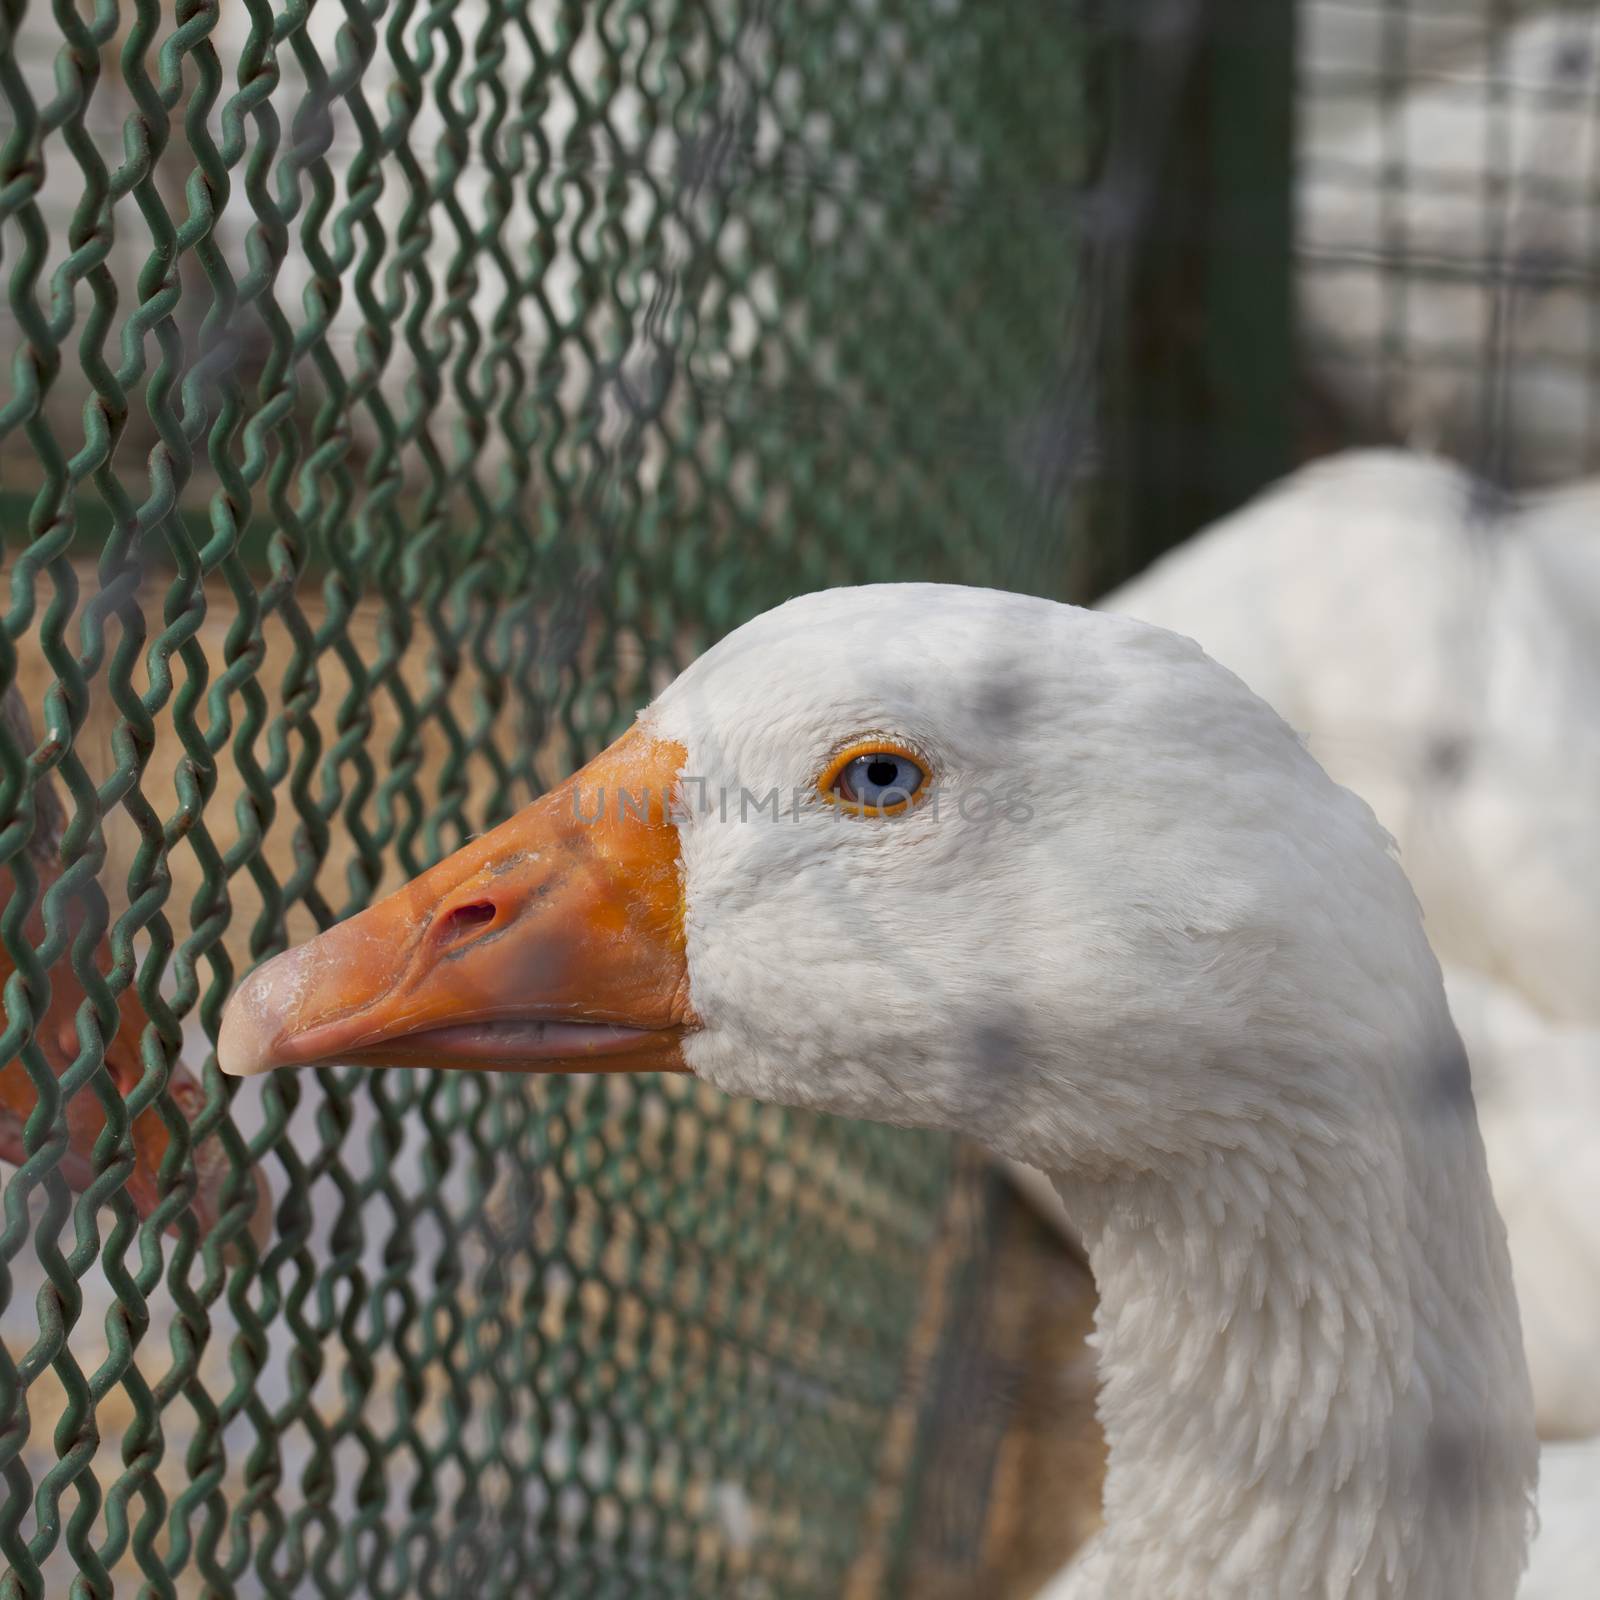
column 1182, row 972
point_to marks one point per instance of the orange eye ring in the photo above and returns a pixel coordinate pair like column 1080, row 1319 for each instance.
column 828, row 781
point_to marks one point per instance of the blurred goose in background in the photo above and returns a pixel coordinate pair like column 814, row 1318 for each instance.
column 1440, row 651
column 57, row 1037
column 1052, row 879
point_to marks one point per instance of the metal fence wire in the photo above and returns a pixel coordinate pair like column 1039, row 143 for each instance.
column 396, row 392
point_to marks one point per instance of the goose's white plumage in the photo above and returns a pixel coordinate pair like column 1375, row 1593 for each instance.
column 1538, row 1089
column 1141, row 941
column 1442, row 656
column 1193, row 986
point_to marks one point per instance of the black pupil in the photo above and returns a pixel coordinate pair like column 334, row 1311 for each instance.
column 882, row 771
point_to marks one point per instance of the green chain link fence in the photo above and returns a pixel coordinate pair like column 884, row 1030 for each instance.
column 397, row 393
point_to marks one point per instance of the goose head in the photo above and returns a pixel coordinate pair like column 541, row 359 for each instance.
column 928, row 855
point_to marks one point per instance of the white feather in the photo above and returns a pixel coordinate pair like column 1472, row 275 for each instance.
column 1184, row 974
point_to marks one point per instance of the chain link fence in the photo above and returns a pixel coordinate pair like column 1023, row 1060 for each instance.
column 397, row 392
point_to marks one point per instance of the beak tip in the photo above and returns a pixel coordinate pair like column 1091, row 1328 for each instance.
column 253, row 1021
column 241, row 1048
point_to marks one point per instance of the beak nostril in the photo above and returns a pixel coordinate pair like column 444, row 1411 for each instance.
column 458, row 922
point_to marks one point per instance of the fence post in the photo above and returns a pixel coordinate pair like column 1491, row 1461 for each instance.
column 1204, row 409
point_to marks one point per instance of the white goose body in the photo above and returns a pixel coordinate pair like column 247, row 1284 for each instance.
column 1127, row 931
column 1442, row 658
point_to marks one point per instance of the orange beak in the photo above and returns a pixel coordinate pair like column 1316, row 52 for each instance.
column 552, row 944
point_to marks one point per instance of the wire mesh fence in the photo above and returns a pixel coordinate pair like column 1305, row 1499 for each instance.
column 398, row 392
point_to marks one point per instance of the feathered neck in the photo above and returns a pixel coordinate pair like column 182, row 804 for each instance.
column 1311, row 1370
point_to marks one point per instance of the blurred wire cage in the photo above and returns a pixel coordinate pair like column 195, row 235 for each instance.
column 1448, row 229
column 398, row 393
column 1432, row 169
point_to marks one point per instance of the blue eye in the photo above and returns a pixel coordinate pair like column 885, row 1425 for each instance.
column 879, row 779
